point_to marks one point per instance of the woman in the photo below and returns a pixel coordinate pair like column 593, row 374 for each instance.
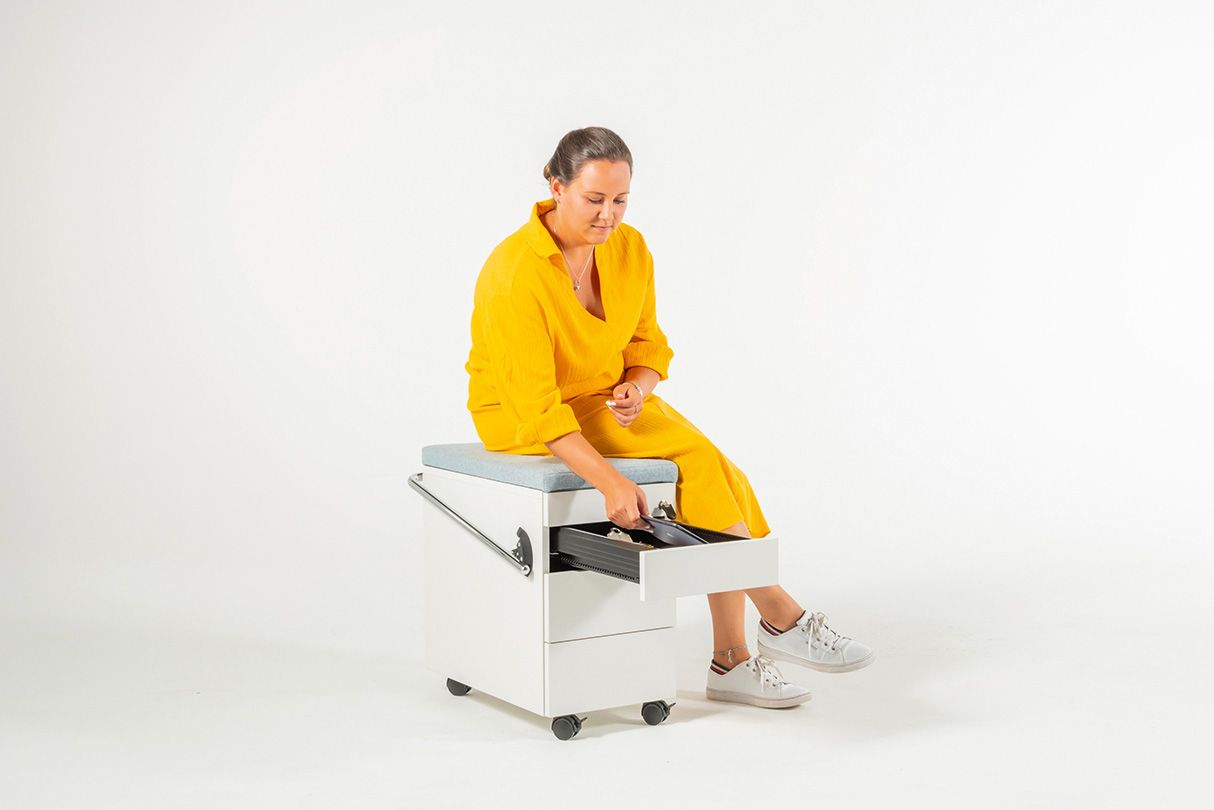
column 566, row 353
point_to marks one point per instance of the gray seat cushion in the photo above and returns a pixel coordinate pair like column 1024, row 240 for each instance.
column 545, row 473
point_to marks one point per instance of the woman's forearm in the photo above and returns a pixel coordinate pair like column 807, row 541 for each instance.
column 580, row 456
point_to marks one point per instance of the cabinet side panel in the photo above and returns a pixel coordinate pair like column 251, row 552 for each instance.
column 484, row 621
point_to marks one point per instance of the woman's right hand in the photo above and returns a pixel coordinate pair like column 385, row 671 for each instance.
column 625, row 501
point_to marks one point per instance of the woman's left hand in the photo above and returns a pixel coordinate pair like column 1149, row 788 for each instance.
column 627, row 403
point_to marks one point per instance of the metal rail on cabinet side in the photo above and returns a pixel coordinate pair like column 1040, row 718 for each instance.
column 520, row 557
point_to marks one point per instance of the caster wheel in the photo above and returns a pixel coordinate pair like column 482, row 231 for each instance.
column 566, row 727
column 655, row 711
column 456, row 688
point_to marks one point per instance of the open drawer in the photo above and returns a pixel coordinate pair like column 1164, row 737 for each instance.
column 725, row 562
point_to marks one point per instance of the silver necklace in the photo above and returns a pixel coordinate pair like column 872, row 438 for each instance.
column 577, row 285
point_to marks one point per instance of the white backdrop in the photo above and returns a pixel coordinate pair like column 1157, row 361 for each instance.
column 936, row 275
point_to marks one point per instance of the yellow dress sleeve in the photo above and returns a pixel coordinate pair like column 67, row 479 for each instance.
column 648, row 346
column 524, row 369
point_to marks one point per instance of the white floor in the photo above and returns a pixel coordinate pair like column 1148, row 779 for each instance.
column 1068, row 684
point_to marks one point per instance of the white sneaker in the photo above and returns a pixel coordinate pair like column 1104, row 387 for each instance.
column 811, row 643
column 755, row 681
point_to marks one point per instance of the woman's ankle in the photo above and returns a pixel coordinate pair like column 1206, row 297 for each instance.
column 725, row 665
column 730, row 657
column 785, row 620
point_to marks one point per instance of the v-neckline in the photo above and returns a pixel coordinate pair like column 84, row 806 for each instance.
column 602, row 291
column 569, row 279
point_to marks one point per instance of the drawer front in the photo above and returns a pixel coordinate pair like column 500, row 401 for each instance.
column 587, row 506
column 657, row 571
column 580, row 604
column 728, row 566
column 607, row 671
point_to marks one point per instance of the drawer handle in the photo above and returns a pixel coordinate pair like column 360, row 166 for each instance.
column 519, row 557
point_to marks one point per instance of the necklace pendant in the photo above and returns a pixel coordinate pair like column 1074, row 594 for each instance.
column 577, row 286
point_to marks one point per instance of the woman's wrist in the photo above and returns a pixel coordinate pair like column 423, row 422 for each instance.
column 643, row 377
column 618, row 482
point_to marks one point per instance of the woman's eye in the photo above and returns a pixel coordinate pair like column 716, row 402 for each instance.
column 600, row 202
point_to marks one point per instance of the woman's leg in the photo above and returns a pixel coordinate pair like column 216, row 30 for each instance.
column 728, row 610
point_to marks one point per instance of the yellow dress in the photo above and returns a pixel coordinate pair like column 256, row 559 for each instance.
column 541, row 366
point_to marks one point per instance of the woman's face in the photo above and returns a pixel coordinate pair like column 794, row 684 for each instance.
column 593, row 204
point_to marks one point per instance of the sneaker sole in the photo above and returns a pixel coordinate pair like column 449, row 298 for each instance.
column 780, row 655
column 766, row 703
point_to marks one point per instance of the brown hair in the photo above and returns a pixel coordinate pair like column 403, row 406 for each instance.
column 582, row 145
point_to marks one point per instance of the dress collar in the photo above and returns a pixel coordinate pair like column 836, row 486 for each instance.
column 537, row 235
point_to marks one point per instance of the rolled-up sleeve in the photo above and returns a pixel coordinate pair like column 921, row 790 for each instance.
column 648, row 346
column 521, row 351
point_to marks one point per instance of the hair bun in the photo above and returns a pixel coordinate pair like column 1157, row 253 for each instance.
column 582, row 145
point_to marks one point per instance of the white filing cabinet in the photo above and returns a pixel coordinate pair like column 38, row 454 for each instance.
column 555, row 638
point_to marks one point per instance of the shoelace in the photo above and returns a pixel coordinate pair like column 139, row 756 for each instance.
column 766, row 672
column 816, row 627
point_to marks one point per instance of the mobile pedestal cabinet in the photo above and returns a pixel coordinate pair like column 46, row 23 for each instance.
column 528, row 598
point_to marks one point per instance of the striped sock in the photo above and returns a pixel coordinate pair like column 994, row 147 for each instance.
column 771, row 628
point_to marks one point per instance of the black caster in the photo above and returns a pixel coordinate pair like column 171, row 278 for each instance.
column 566, row 726
column 456, row 688
column 655, row 711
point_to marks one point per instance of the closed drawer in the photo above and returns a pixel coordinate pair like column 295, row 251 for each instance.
column 580, row 604
column 599, row 673
column 586, row 505
column 724, row 563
